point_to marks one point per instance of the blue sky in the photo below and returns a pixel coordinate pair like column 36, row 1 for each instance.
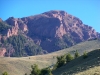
column 87, row 10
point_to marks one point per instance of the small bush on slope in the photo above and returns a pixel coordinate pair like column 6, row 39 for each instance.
column 37, row 71
column 85, row 55
column 5, row 73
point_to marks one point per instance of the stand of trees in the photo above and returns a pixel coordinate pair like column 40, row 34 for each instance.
column 21, row 46
column 3, row 27
column 37, row 71
column 64, row 59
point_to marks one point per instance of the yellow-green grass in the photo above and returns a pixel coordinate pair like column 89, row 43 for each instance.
column 22, row 65
column 91, row 71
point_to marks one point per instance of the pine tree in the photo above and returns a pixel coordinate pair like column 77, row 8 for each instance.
column 61, row 60
column 35, row 70
column 85, row 55
column 68, row 57
column 76, row 54
column 49, row 73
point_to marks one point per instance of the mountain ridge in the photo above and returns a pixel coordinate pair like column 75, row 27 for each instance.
column 54, row 30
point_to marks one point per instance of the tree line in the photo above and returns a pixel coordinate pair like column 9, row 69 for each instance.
column 64, row 59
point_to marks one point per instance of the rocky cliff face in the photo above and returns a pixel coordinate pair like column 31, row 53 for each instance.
column 2, row 52
column 12, row 31
column 17, row 23
column 54, row 30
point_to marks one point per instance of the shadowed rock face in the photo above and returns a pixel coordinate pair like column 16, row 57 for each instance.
column 55, row 30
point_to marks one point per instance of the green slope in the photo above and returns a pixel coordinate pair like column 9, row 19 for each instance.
column 79, row 65
column 22, row 65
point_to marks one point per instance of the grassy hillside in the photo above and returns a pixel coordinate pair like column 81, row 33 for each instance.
column 91, row 71
column 22, row 65
column 81, row 66
column 81, row 47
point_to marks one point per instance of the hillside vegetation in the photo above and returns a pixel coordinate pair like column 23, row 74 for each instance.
column 76, row 66
column 3, row 28
column 17, row 44
column 24, row 46
column 22, row 65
